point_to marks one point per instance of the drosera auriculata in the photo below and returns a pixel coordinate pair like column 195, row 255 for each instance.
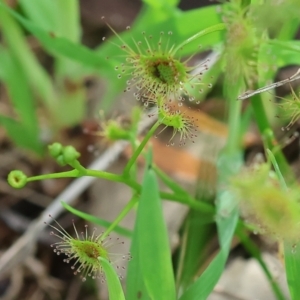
column 169, row 115
column 85, row 249
column 156, row 69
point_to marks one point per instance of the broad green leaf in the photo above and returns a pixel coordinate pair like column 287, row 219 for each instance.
column 162, row 4
column 282, row 53
column 18, row 88
column 60, row 17
column 118, row 229
column 115, row 290
column 59, row 103
column 36, row 75
column 57, row 45
column 21, row 135
column 135, row 284
column 149, row 22
column 23, row 103
column 48, row 15
column 150, row 242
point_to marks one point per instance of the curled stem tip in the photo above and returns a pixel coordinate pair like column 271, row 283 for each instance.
column 17, row 179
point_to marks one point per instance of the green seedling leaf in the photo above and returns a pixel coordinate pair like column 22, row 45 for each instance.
column 90, row 218
column 154, row 277
column 114, row 286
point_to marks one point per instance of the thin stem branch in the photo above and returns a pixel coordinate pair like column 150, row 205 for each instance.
column 120, row 217
column 269, row 138
column 140, row 149
column 217, row 27
column 67, row 174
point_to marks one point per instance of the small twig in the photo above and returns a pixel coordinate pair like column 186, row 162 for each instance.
column 251, row 93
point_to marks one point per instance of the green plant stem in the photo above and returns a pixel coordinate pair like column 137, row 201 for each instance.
column 206, row 207
column 120, row 217
column 80, row 168
column 254, row 251
column 184, row 199
column 269, row 138
column 191, row 202
column 114, row 177
column 271, row 156
column 140, row 149
column 231, row 91
column 168, row 181
column 67, row 174
column 234, row 137
column 217, row 27
column 291, row 260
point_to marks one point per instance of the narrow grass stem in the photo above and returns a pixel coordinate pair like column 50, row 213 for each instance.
column 269, row 139
column 120, row 217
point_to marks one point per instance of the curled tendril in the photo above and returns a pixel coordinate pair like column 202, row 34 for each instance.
column 17, row 179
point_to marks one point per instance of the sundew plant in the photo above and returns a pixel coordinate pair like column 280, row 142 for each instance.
column 168, row 63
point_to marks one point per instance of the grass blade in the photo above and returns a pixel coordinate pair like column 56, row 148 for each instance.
column 150, row 242
column 292, row 267
column 115, row 290
column 227, row 218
